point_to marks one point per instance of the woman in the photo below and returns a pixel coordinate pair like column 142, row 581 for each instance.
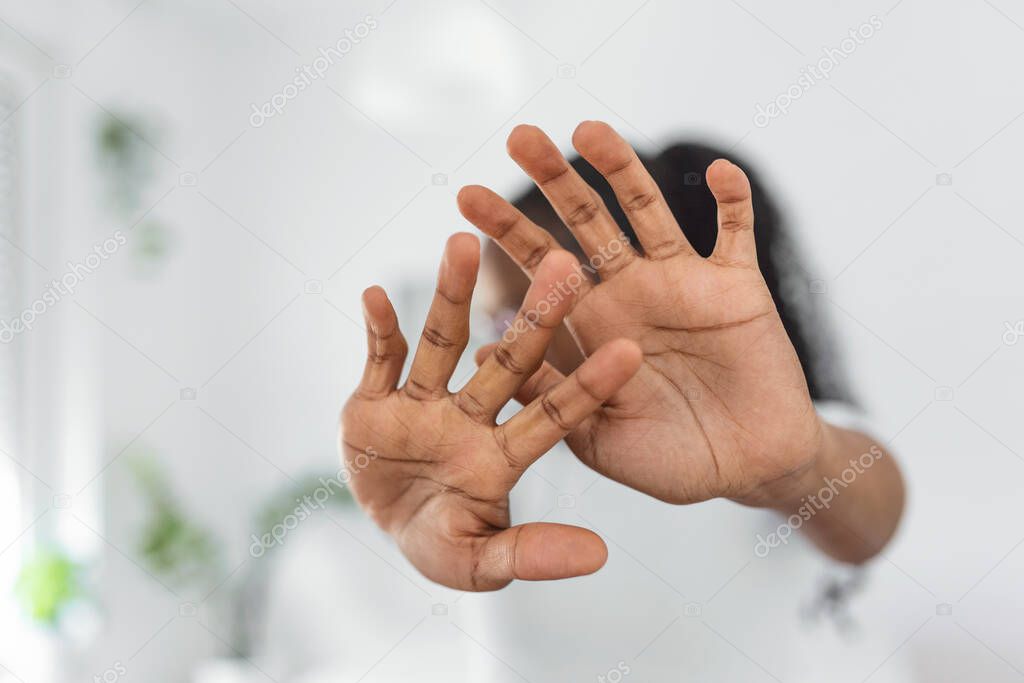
column 700, row 382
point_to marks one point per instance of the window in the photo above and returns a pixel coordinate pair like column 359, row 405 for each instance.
column 12, row 521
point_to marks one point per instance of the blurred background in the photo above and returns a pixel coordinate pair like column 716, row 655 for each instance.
column 193, row 194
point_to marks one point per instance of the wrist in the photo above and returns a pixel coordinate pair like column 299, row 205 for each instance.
column 786, row 493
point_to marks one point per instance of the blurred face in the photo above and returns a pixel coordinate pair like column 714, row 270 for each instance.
column 505, row 286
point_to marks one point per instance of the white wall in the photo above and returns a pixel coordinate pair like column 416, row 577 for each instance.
column 920, row 277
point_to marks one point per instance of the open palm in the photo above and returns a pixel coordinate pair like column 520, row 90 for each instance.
column 434, row 469
column 720, row 405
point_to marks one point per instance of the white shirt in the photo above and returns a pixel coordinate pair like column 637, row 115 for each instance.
column 686, row 594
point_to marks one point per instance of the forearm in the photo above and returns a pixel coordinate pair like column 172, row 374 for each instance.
column 851, row 498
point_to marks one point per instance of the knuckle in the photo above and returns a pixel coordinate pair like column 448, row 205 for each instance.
column 535, row 256
column 388, row 336
column 380, row 357
column 639, row 201
column 735, row 225
column 556, row 176
column 735, row 219
column 583, row 212
column 513, row 461
column 421, row 392
column 504, row 225
column 386, row 349
column 375, row 357
column 665, row 250
column 436, row 337
column 620, row 166
column 720, row 260
column 504, row 357
column 471, row 406
column 555, row 413
column 445, row 296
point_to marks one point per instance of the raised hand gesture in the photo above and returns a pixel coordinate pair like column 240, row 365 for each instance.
column 434, row 469
column 720, row 405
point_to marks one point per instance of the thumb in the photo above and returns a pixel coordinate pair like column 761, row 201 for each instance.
column 538, row 551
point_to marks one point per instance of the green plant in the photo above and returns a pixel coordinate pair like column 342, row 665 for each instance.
column 127, row 165
column 125, row 159
column 170, row 544
column 48, row 581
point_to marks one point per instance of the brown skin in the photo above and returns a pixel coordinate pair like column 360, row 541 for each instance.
column 720, row 406
column 690, row 389
column 434, row 469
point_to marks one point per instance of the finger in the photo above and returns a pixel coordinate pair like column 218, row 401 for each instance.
column 542, row 380
column 735, row 244
column 386, row 347
column 523, row 240
column 575, row 202
column 638, row 194
column 563, row 407
column 522, row 347
column 446, row 331
column 537, row 552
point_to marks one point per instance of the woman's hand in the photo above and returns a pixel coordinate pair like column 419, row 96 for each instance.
column 720, row 406
column 434, row 469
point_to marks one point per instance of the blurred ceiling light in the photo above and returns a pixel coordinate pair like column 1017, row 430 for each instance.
column 455, row 61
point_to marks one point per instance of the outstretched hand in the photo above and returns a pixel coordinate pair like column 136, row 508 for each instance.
column 720, row 405
column 434, row 469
